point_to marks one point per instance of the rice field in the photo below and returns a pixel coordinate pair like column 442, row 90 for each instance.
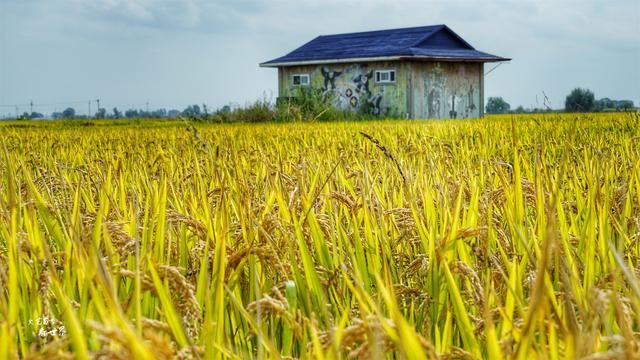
column 512, row 237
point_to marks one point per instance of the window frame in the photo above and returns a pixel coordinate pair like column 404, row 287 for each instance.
column 378, row 76
column 301, row 76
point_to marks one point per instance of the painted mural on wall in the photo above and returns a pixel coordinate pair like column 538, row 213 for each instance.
column 439, row 90
column 450, row 91
column 352, row 86
column 329, row 78
column 435, row 83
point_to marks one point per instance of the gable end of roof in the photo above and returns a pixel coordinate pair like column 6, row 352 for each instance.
column 444, row 38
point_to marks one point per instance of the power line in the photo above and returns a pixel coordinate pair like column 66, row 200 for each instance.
column 14, row 105
column 48, row 104
column 143, row 105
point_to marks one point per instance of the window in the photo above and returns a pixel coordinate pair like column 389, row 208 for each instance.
column 385, row 76
column 301, row 80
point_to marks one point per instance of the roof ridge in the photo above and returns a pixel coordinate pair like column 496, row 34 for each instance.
column 384, row 30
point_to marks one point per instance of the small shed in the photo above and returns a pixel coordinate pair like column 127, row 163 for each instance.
column 426, row 72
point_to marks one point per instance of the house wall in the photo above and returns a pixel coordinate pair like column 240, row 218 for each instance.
column 353, row 85
column 446, row 90
column 434, row 90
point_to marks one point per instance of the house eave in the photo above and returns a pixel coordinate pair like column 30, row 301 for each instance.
column 454, row 59
column 329, row 61
column 382, row 58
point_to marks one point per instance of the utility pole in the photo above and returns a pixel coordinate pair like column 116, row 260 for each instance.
column 89, row 106
column 31, row 105
column 147, row 107
column 17, row 111
column 98, row 102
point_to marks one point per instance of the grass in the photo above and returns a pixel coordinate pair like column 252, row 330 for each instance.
column 509, row 237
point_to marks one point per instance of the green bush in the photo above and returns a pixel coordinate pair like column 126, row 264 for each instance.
column 308, row 105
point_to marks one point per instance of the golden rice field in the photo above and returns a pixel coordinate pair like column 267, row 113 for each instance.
column 512, row 237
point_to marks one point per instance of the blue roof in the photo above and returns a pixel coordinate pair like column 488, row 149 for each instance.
column 436, row 42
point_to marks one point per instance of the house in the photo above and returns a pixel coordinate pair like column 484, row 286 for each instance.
column 420, row 72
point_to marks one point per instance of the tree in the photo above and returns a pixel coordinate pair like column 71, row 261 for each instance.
column 69, row 113
column 101, row 114
column 625, row 105
column 160, row 113
column 497, row 105
column 117, row 113
column 191, row 110
column 33, row 115
column 580, row 100
column 603, row 104
column 131, row 113
column 520, row 110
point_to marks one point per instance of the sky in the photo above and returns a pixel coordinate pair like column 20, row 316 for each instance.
column 171, row 53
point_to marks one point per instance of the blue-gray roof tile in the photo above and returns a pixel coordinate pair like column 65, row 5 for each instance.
column 436, row 42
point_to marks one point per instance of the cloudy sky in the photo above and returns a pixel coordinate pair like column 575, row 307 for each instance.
column 171, row 53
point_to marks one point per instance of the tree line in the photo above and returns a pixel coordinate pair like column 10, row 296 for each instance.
column 578, row 100
column 102, row 113
column 115, row 113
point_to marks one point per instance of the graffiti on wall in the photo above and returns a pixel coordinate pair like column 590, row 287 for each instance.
column 375, row 101
column 450, row 91
column 329, row 78
column 439, row 90
column 351, row 87
column 471, row 106
column 435, row 83
column 433, row 101
column 362, row 82
column 462, row 106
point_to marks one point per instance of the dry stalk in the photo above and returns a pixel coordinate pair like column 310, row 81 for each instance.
column 477, row 292
column 387, row 153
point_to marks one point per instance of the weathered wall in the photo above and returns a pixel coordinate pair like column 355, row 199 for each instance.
column 354, row 86
column 423, row 90
column 446, row 90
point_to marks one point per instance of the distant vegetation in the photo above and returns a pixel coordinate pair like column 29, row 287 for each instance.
column 579, row 100
column 497, row 105
column 307, row 105
column 315, row 105
column 115, row 113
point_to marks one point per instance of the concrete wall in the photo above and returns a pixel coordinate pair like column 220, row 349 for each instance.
column 421, row 90
column 446, row 90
